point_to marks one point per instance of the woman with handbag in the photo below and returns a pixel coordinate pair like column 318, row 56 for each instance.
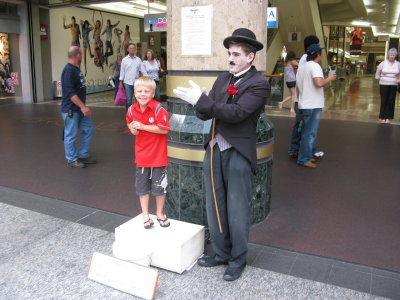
column 388, row 73
column 153, row 67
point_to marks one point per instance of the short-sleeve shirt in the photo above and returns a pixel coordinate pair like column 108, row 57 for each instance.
column 310, row 95
column 150, row 148
column 73, row 83
column 152, row 69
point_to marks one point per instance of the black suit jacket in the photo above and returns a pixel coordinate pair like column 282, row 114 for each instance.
column 236, row 117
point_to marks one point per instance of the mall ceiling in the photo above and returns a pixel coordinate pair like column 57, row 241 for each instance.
column 382, row 16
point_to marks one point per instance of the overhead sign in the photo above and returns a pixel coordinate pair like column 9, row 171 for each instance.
column 272, row 17
column 155, row 22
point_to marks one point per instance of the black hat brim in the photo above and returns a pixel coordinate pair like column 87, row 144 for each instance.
column 242, row 39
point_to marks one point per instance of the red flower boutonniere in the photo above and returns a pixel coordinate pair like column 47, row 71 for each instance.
column 232, row 90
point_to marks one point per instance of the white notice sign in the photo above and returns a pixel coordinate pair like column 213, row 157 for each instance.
column 124, row 276
column 196, row 30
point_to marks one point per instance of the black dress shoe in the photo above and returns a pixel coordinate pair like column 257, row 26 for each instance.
column 88, row 160
column 232, row 274
column 210, row 261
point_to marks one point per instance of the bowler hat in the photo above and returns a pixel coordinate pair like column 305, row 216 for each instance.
column 244, row 35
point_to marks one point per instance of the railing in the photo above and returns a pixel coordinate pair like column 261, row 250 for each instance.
column 276, row 82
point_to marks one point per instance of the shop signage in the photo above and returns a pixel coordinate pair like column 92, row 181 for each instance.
column 43, row 32
column 272, row 17
column 155, row 22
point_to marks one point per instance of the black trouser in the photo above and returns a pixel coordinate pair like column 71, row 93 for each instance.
column 232, row 178
column 388, row 99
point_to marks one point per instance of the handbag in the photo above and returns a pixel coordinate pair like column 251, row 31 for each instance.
column 120, row 98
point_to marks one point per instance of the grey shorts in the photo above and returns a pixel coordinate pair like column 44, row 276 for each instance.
column 152, row 180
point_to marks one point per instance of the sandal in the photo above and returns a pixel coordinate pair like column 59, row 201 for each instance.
column 163, row 222
column 149, row 225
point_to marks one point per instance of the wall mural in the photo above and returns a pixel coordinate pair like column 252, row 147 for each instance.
column 101, row 36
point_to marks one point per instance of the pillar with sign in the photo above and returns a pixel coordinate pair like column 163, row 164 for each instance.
column 196, row 30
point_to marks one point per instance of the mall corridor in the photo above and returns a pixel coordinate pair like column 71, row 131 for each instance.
column 332, row 227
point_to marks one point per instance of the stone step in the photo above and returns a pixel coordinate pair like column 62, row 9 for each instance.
column 174, row 248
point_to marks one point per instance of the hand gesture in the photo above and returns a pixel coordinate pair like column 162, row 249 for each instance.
column 190, row 95
column 137, row 125
column 133, row 130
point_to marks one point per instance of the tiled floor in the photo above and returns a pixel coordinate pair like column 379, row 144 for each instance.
column 352, row 99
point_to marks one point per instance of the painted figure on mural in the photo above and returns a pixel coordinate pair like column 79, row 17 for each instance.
column 75, row 31
column 234, row 104
column 127, row 39
column 86, row 29
column 117, row 44
column 98, row 43
column 108, row 31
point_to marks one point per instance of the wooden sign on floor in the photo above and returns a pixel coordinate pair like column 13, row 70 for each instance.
column 124, row 276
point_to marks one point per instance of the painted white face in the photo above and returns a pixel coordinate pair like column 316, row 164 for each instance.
column 392, row 56
column 238, row 60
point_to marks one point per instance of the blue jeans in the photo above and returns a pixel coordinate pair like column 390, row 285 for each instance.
column 129, row 94
column 71, row 126
column 309, row 126
column 157, row 91
column 296, row 132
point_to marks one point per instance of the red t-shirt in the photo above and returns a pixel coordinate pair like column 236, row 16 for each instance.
column 150, row 148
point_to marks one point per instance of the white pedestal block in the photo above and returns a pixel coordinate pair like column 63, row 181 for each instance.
column 174, row 248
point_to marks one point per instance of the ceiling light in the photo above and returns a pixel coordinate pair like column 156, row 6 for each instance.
column 361, row 23
column 152, row 5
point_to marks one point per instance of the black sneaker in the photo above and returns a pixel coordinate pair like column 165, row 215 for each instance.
column 77, row 164
column 88, row 160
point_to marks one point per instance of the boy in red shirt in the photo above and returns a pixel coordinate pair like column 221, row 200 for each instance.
column 148, row 121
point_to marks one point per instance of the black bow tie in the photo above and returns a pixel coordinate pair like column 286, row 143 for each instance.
column 235, row 79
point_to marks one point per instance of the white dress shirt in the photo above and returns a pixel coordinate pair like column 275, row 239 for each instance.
column 130, row 67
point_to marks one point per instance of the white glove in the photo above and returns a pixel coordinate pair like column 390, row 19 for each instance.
column 190, row 95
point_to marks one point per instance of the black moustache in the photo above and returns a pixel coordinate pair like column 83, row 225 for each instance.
column 232, row 63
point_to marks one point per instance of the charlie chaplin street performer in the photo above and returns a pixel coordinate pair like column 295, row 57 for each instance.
column 235, row 103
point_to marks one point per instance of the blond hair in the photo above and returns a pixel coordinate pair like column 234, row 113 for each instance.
column 145, row 81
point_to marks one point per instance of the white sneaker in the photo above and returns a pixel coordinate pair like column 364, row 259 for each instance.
column 319, row 154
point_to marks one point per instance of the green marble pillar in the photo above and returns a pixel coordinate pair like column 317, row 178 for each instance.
column 186, row 197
